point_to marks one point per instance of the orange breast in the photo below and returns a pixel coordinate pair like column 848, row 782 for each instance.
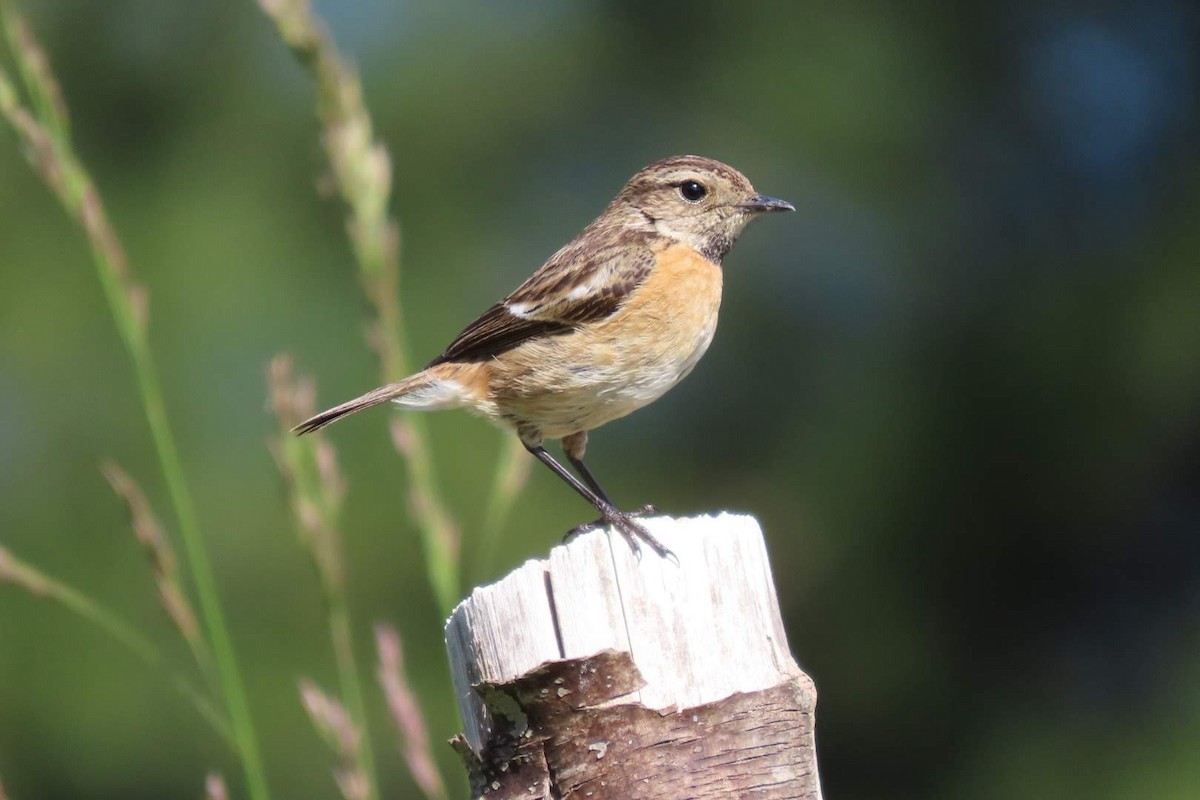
column 604, row 370
column 675, row 309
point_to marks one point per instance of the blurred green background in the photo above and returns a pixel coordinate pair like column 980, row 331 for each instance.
column 960, row 388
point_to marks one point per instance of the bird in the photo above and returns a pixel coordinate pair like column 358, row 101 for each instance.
column 608, row 324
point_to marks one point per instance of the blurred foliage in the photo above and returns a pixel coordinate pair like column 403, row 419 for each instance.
column 960, row 388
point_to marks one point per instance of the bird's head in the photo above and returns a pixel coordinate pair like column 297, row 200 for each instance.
column 696, row 200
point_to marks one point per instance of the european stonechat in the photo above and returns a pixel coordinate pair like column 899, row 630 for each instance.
column 607, row 325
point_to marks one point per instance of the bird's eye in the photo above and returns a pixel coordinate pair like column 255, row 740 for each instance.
column 692, row 191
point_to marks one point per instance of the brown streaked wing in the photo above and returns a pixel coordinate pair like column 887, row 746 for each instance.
column 497, row 330
column 616, row 265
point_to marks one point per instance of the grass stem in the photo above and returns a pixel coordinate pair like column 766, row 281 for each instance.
column 48, row 146
column 362, row 173
column 39, row 584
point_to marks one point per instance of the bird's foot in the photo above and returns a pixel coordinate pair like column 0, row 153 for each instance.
column 647, row 510
column 634, row 532
column 579, row 530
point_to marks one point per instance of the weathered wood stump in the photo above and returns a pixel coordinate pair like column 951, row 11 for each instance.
column 595, row 674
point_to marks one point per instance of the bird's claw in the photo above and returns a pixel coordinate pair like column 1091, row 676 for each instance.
column 633, row 532
column 579, row 530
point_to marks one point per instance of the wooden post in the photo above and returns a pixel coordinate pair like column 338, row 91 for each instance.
column 595, row 674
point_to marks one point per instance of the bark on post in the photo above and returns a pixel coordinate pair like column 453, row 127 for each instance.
column 593, row 674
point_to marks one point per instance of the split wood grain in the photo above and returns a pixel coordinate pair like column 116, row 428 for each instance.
column 597, row 674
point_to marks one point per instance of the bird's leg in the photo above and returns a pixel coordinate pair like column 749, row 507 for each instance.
column 589, row 478
column 647, row 510
column 574, row 446
column 631, row 530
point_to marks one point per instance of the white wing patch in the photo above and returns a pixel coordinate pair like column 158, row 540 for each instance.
column 583, row 290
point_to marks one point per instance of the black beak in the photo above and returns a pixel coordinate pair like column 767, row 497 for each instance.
column 760, row 203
